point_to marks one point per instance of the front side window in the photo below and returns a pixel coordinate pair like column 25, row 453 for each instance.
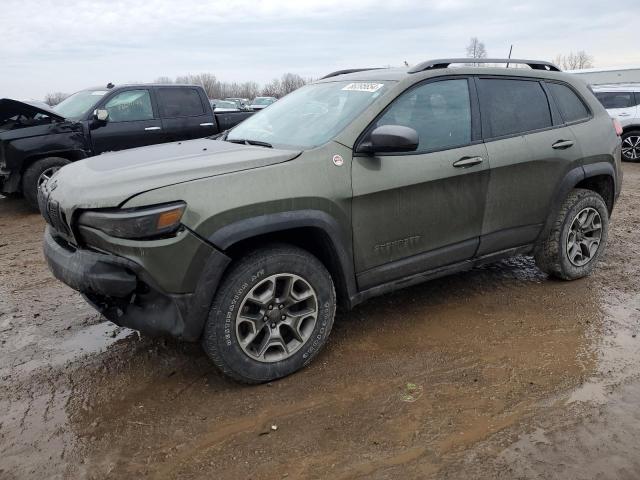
column 130, row 106
column 612, row 100
column 179, row 102
column 510, row 106
column 310, row 116
column 571, row 107
column 439, row 111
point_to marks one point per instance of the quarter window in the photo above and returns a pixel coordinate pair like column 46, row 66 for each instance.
column 130, row 106
column 513, row 106
column 179, row 102
column 439, row 111
column 571, row 107
column 616, row 99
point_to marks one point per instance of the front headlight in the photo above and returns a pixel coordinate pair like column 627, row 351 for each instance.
column 146, row 222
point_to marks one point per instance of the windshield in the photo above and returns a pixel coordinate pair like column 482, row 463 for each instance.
column 225, row 104
column 78, row 105
column 262, row 101
column 310, row 116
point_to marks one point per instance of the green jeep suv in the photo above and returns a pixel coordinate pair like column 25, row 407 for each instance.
column 355, row 185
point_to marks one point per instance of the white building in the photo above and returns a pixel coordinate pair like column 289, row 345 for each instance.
column 609, row 75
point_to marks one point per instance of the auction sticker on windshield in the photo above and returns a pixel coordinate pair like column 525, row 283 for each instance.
column 364, row 87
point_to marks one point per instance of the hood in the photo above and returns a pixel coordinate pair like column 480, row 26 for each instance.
column 110, row 179
column 10, row 108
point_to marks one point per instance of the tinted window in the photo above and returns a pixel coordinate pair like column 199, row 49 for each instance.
column 130, row 106
column 179, row 102
column 570, row 105
column 513, row 106
column 616, row 99
column 439, row 111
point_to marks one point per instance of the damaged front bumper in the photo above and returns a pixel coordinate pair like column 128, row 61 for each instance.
column 126, row 293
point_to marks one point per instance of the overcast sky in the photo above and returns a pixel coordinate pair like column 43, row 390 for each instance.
column 61, row 45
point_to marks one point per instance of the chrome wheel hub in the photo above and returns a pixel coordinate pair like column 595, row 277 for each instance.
column 631, row 147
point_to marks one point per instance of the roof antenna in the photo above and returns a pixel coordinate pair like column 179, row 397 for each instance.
column 110, row 85
column 510, row 50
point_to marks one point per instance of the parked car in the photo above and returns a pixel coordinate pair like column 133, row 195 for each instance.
column 622, row 101
column 224, row 106
column 259, row 103
column 352, row 186
column 242, row 103
column 36, row 140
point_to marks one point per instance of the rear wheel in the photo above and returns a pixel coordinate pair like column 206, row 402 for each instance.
column 631, row 146
column 271, row 315
column 577, row 237
column 38, row 173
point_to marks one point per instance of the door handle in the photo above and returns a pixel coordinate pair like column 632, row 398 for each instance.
column 466, row 162
column 624, row 114
column 562, row 144
column 208, row 124
column 148, row 129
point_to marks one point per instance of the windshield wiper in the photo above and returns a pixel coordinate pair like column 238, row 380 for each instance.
column 250, row 142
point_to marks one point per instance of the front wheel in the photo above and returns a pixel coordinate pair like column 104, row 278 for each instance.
column 38, row 173
column 577, row 237
column 272, row 314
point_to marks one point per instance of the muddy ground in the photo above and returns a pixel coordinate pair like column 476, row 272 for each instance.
column 499, row 372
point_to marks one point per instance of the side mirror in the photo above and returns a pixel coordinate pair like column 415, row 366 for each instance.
column 390, row 138
column 101, row 115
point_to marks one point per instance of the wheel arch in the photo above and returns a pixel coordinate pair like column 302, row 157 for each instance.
column 598, row 177
column 71, row 155
column 312, row 230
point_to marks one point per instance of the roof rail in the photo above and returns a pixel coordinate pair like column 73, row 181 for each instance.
column 445, row 62
column 349, row 70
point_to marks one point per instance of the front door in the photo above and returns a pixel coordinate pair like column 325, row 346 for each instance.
column 417, row 211
column 132, row 122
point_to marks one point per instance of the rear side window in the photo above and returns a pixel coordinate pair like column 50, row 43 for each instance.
column 616, row 99
column 439, row 111
column 513, row 106
column 179, row 102
column 571, row 107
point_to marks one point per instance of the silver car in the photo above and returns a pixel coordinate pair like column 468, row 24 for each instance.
column 622, row 101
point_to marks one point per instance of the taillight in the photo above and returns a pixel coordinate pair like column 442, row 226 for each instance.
column 617, row 126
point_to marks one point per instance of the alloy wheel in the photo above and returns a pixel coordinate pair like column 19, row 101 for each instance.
column 46, row 175
column 584, row 236
column 631, row 147
column 276, row 317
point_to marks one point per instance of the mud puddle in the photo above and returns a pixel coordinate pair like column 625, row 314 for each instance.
column 495, row 373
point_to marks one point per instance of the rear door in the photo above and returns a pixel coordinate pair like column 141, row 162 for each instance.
column 530, row 150
column 418, row 211
column 186, row 113
column 133, row 122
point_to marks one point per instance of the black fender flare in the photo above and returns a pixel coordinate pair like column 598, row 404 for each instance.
column 572, row 178
column 251, row 227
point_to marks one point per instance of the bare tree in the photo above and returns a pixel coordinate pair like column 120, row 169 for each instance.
column 574, row 61
column 291, row 82
column 163, row 80
column 272, row 89
column 54, row 98
column 476, row 49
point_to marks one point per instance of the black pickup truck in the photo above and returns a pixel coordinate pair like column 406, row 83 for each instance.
column 36, row 140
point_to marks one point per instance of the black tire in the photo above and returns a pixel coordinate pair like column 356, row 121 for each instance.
column 631, row 146
column 220, row 338
column 552, row 254
column 31, row 177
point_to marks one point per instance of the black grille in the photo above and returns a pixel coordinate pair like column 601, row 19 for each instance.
column 51, row 212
